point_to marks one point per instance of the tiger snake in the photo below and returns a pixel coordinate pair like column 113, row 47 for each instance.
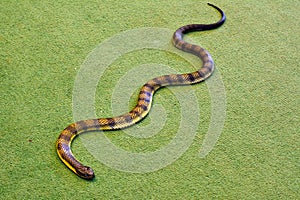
column 142, row 108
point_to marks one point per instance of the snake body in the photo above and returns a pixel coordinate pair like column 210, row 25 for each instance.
column 63, row 144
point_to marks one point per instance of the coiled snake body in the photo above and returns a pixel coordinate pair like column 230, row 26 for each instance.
column 143, row 106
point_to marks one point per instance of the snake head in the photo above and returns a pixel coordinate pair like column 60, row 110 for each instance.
column 85, row 172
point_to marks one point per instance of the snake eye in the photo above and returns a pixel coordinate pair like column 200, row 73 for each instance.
column 89, row 174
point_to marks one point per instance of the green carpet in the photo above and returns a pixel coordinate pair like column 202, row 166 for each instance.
column 257, row 156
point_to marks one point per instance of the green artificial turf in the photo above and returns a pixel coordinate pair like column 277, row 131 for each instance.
column 257, row 156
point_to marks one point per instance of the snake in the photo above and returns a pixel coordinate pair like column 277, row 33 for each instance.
column 142, row 108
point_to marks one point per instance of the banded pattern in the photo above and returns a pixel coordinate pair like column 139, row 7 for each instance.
column 143, row 106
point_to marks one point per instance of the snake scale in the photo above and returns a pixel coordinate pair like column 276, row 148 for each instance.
column 63, row 144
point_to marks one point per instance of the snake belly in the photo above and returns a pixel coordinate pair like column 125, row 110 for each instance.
column 142, row 108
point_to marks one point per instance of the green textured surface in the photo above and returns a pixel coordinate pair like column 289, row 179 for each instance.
column 43, row 44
